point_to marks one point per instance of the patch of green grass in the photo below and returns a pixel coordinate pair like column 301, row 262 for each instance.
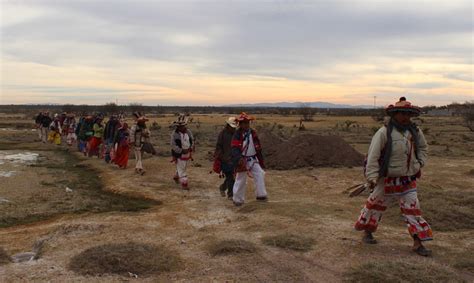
column 88, row 193
column 401, row 271
column 227, row 247
column 137, row 258
column 290, row 241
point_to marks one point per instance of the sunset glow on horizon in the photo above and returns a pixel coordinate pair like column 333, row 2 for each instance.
column 235, row 52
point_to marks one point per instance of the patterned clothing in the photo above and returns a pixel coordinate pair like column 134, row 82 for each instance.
column 179, row 142
column 405, row 162
column 390, row 189
column 247, row 153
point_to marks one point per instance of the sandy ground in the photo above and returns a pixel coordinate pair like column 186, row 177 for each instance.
column 308, row 201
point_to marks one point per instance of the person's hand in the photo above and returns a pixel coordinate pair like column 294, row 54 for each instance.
column 372, row 184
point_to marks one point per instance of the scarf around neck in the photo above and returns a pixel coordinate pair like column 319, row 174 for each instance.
column 387, row 150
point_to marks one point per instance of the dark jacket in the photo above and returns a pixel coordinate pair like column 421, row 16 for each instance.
column 46, row 121
column 38, row 118
column 223, row 146
column 110, row 130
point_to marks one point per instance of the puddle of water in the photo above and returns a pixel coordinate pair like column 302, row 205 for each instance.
column 7, row 173
column 27, row 157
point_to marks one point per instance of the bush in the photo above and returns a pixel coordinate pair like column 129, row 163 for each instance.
column 227, row 247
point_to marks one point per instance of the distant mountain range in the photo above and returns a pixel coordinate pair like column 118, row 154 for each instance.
column 318, row 104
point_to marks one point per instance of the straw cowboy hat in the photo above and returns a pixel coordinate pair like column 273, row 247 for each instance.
column 181, row 121
column 245, row 117
column 232, row 121
column 402, row 106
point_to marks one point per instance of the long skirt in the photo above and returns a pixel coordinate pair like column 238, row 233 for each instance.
column 390, row 189
column 121, row 156
column 94, row 146
column 54, row 137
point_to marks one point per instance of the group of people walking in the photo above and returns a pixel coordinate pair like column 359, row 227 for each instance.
column 397, row 154
column 110, row 141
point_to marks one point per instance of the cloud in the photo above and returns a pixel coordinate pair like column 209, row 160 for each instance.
column 174, row 45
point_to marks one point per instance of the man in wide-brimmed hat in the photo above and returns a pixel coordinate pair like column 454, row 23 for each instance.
column 248, row 161
column 223, row 157
column 139, row 136
column 182, row 143
column 396, row 155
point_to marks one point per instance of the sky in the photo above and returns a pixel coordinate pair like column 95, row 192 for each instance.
column 234, row 52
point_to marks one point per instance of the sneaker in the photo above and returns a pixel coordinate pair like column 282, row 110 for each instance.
column 262, row 199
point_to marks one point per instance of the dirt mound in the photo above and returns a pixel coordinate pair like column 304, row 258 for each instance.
column 124, row 259
column 289, row 241
column 308, row 150
column 227, row 247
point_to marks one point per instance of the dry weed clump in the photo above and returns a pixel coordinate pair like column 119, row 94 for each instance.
column 136, row 258
column 227, row 247
column 465, row 262
column 290, row 241
column 4, row 257
column 401, row 271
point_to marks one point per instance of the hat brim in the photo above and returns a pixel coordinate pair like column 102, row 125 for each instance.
column 179, row 124
column 412, row 110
